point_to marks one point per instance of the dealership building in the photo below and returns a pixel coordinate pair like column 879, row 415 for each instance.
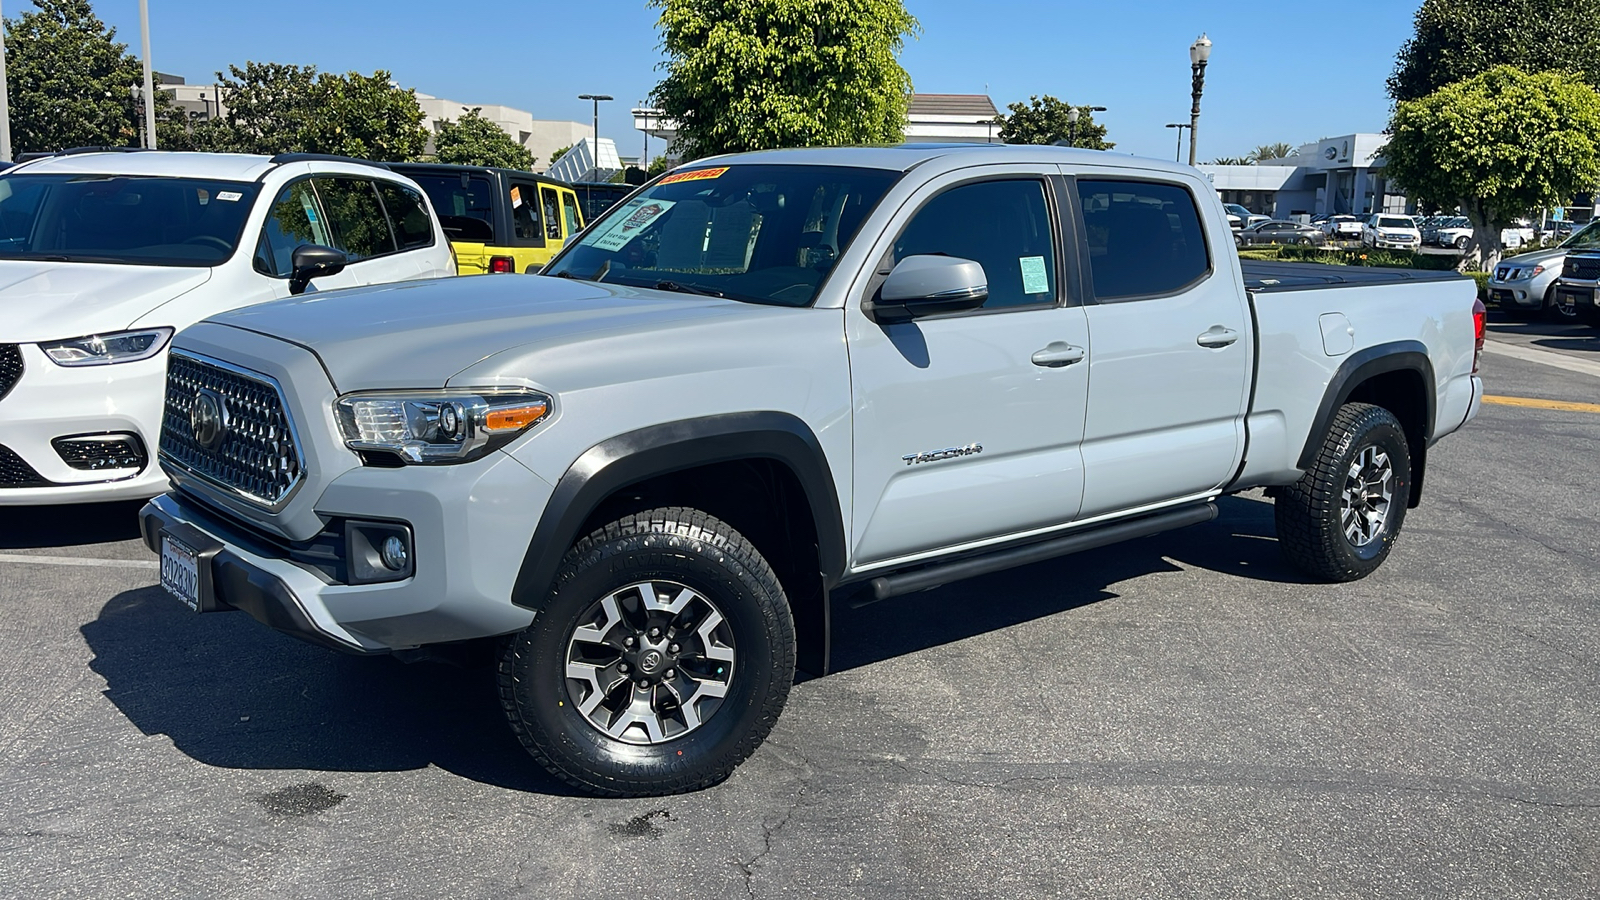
column 1331, row 176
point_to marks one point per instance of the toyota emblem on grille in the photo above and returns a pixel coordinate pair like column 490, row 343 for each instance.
column 208, row 419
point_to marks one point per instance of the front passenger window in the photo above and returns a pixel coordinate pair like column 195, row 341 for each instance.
column 1004, row 226
column 294, row 220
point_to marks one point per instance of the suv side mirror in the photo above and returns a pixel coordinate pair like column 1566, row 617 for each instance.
column 928, row 285
column 314, row 261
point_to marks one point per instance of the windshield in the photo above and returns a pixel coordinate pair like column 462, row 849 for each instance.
column 758, row 233
column 1236, row 209
column 122, row 219
column 1395, row 222
column 1586, row 239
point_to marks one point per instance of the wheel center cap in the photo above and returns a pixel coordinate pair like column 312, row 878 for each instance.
column 650, row 661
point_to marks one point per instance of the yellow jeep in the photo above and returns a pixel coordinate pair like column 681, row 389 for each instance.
column 498, row 220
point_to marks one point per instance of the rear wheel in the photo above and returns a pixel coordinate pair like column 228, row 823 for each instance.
column 660, row 661
column 1339, row 520
column 1461, row 243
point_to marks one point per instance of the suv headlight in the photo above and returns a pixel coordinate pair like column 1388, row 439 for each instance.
column 106, row 349
column 438, row 427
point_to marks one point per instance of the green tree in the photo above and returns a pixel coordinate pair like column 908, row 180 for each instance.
column 658, row 166
column 472, row 140
column 70, row 83
column 758, row 74
column 367, row 117
column 1457, row 39
column 559, row 152
column 1279, row 150
column 1046, row 120
column 1497, row 145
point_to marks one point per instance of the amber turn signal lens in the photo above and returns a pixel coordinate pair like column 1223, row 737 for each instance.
column 514, row 418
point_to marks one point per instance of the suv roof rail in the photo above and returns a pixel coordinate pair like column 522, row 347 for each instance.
column 294, row 157
column 32, row 155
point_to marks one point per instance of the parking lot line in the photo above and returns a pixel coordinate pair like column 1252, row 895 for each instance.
column 79, row 561
column 1543, row 357
column 1536, row 403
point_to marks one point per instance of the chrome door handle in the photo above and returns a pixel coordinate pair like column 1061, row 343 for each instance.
column 1058, row 354
column 1217, row 336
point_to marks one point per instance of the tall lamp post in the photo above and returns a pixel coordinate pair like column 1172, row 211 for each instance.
column 596, row 98
column 1199, row 52
column 149, row 87
column 5, row 105
column 1177, row 153
column 1072, row 120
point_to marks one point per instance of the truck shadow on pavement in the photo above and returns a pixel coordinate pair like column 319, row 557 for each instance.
column 232, row 693
column 34, row 527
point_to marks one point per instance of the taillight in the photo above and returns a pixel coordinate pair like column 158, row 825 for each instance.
column 1480, row 322
column 501, row 265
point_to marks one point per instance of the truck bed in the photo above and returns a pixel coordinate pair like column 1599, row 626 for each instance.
column 1263, row 277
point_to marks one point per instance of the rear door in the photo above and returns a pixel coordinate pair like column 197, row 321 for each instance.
column 361, row 229
column 529, row 226
column 1169, row 378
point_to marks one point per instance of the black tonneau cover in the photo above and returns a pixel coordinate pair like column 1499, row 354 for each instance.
column 1265, row 277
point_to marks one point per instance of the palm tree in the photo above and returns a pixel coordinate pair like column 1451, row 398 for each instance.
column 1279, row 150
column 1233, row 161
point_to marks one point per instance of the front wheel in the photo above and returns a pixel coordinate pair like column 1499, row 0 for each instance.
column 1556, row 311
column 1461, row 243
column 1339, row 520
column 660, row 661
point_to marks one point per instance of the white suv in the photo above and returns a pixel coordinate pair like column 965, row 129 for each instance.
column 1392, row 231
column 104, row 255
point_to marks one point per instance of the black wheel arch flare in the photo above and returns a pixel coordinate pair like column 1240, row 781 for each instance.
column 1359, row 368
column 662, row 449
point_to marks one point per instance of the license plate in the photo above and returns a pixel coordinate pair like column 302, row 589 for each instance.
column 180, row 571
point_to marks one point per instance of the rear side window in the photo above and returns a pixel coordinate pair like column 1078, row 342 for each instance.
column 569, row 212
column 552, row 215
column 465, row 204
column 355, row 216
column 1144, row 239
column 525, row 221
column 408, row 215
column 1004, row 226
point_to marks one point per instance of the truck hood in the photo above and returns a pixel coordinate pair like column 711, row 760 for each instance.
column 45, row 301
column 1537, row 258
column 418, row 334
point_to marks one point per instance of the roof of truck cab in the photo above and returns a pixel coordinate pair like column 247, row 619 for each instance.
column 904, row 157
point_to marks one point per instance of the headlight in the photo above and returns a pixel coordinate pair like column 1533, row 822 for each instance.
column 1529, row 273
column 440, row 427
column 105, row 349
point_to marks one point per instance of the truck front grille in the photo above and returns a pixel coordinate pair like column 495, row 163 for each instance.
column 1584, row 268
column 241, row 440
column 10, row 367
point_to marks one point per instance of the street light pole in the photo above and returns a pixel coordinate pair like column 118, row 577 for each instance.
column 1177, row 153
column 149, row 85
column 1199, row 53
column 596, row 146
column 1072, row 119
column 5, row 102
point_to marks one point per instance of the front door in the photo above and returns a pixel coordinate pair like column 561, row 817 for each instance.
column 1170, row 377
column 967, row 425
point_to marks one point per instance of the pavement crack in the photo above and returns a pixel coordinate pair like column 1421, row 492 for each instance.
column 770, row 829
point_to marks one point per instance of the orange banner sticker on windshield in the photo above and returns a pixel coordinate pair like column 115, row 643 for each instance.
column 696, row 175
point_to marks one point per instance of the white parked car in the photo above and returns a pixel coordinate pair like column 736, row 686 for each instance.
column 1457, row 233
column 1341, row 228
column 1239, row 217
column 1390, row 231
column 103, row 256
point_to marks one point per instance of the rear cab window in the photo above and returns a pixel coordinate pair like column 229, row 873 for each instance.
column 464, row 203
column 1145, row 239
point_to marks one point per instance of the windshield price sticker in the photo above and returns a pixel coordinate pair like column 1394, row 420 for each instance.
column 696, row 175
column 229, row 196
column 628, row 224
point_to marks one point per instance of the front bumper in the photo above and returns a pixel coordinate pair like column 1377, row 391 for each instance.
column 1581, row 297
column 1384, row 244
column 51, row 401
column 471, row 526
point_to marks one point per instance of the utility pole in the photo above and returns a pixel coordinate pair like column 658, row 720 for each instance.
column 5, row 100
column 596, row 145
column 149, row 81
column 1199, row 53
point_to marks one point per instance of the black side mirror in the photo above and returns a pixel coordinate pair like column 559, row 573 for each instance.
column 928, row 285
column 314, row 261
column 533, row 269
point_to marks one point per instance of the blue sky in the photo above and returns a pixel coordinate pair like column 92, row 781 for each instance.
column 1294, row 73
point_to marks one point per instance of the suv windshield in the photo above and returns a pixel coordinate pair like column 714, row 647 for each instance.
column 135, row 220
column 1395, row 222
column 1586, row 239
column 757, row 233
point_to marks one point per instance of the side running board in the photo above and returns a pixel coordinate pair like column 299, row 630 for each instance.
column 886, row 586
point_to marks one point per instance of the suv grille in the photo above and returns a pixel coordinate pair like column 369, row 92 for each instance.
column 254, row 453
column 10, row 367
column 1586, row 268
column 15, row 473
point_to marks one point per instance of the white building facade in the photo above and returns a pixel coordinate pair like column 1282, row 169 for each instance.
column 1340, row 175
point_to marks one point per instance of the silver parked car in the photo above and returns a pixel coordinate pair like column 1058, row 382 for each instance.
column 1526, row 283
column 1280, row 232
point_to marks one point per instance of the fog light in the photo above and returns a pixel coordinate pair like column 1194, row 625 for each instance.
column 394, row 553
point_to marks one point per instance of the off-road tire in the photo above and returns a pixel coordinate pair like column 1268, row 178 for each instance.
column 675, row 544
column 1309, row 513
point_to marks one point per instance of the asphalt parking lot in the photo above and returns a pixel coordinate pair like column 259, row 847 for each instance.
column 1180, row 716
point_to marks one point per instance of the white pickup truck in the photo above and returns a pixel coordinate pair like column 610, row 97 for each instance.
column 770, row 380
